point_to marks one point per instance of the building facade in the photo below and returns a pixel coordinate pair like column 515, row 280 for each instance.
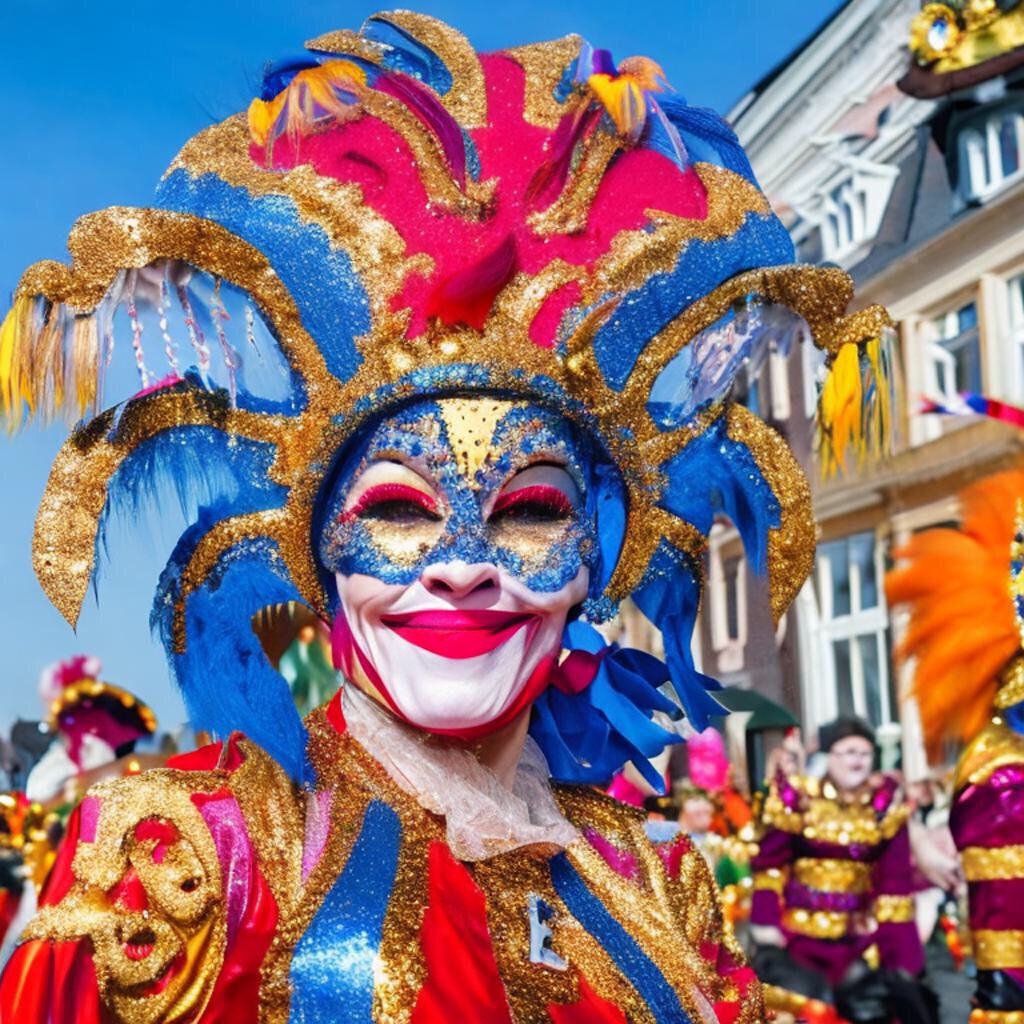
column 922, row 202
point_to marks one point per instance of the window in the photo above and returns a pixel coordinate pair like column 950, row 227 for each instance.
column 1015, row 288
column 955, row 352
column 726, row 600
column 731, row 572
column 853, row 628
column 845, row 223
column 746, row 390
column 990, row 152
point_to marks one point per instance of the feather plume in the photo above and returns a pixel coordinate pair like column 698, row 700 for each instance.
column 314, row 98
column 962, row 629
column 855, row 406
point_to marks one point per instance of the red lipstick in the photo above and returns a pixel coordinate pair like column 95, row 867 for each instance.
column 457, row 634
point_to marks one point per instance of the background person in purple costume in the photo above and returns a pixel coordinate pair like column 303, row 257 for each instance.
column 966, row 638
column 832, row 886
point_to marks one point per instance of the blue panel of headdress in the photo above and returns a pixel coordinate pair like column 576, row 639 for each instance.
column 330, row 297
column 761, row 241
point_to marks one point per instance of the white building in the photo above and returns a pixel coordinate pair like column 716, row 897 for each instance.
column 922, row 201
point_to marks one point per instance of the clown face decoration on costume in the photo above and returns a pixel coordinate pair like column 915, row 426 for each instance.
column 460, row 538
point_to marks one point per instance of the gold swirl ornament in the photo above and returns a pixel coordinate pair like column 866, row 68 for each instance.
column 160, row 961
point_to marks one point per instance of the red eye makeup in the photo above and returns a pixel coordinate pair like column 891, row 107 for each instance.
column 382, row 496
column 536, row 499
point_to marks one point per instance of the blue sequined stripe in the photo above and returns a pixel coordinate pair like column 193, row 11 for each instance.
column 637, row 967
column 332, row 967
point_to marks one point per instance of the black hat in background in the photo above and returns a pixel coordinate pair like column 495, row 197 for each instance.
column 832, row 732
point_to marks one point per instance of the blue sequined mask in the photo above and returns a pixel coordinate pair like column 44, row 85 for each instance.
column 462, row 480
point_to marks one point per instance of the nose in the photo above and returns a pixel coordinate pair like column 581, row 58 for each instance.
column 457, row 580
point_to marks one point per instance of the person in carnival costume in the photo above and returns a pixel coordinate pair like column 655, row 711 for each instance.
column 96, row 726
column 832, row 878
column 449, row 342
column 964, row 588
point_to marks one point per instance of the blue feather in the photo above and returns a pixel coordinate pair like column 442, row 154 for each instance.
column 716, row 475
column 408, row 54
column 669, row 597
column 707, row 137
column 224, row 675
column 587, row 737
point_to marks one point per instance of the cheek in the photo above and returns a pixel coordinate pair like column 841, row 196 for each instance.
column 545, row 556
column 393, row 553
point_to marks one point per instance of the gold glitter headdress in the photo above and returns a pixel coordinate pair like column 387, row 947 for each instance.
column 962, row 43
column 399, row 215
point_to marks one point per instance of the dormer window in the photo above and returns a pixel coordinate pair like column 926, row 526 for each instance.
column 991, row 152
column 844, row 223
column 850, row 209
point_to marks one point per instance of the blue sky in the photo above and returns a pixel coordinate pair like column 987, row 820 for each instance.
column 100, row 95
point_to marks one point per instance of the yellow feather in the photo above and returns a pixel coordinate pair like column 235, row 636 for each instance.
column 8, row 350
column 840, row 407
column 623, row 98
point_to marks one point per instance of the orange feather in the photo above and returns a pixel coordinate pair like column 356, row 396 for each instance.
column 962, row 629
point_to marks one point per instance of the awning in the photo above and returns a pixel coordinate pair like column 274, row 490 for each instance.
column 764, row 713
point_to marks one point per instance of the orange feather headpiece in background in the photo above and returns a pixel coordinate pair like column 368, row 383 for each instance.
column 963, row 629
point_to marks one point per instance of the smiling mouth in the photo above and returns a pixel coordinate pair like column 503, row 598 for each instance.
column 457, row 634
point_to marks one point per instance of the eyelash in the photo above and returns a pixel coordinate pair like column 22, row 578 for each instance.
column 397, row 498
column 539, row 501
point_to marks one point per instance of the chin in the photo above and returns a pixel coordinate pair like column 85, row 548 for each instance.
column 449, row 695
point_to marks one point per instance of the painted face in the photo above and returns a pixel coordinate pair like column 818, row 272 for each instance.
column 695, row 816
column 460, row 538
column 850, row 762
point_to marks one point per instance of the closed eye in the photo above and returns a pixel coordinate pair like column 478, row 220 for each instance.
column 537, row 502
column 394, row 503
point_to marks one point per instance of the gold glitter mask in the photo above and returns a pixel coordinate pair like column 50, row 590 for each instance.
column 478, row 481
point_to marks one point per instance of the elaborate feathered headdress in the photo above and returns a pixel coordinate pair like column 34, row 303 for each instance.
column 398, row 216
column 963, row 587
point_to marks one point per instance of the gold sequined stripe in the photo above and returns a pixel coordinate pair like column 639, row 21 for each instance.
column 695, row 902
column 791, row 544
column 891, row 909
column 699, row 915
column 995, row 747
column 334, row 753
column 817, row 924
column 466, row 100
column 105, row 243
column 993, row 864
column 507, row 881
column 1011, row 679
column 979, row 1016
column 402, row 970
column 274, row 810
column 830, row 821
column 647, row 921
column 770, row 880
column 998, row 950
column 778, row 815
column 569, row 213
column 828, row 875
column 544, row 64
